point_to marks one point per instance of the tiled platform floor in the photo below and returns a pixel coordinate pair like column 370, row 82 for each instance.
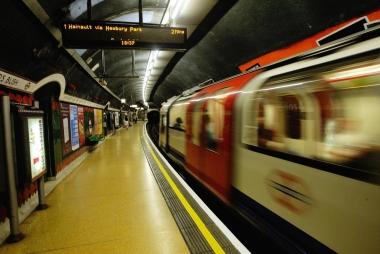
column 110, row 204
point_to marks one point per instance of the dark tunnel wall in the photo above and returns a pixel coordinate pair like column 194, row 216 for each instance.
column 27, row 49
column 250, row 29
column 24, row 47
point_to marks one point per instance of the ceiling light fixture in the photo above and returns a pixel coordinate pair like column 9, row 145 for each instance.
column 95, row 67
column 152, row 58
column 174, row 9
column 177, row 8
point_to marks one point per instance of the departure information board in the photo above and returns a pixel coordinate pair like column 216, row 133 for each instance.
column 83, row 35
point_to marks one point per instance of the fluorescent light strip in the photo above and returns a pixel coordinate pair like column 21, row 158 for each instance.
column 95, row 67
column 177, row 6
column 149, row 67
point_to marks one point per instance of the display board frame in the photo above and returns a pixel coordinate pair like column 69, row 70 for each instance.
column 122, row 35
column 24, row 116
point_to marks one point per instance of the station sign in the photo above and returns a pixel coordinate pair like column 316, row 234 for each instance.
column 14, row 82
column 116, row 35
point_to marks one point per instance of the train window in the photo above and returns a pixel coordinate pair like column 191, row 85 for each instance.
column 351, row 133
column 249, row 126
column 292, row 116
column 163, row 123
column 196, row 123
column 177, row 116
column 329, row 114
column 270, row 123
column 214, row 120
column 324, row 107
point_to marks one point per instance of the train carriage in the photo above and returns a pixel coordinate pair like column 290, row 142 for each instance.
column 295, row 146
column 163, row 132
column 209, row 134
column 309, row 146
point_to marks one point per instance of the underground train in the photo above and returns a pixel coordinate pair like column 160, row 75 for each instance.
column 296, row 144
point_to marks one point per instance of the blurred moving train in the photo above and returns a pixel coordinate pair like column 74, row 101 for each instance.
column 296, row 143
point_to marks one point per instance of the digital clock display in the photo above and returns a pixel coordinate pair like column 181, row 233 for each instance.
column 122, row 36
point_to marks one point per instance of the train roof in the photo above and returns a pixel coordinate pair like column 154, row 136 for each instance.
column 329, row 48
column 338, row 54
column 320, row 52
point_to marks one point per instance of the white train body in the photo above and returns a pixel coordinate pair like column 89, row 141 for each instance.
column 305, row 146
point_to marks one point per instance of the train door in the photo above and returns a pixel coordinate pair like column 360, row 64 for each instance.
column 163, row 133
column 214, row 160
column 177, row 129
column 294, row 138
column 301, row 121
column 193, row 138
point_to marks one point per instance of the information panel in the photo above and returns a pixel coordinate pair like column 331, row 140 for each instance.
column 36, row 146
column 122, row 35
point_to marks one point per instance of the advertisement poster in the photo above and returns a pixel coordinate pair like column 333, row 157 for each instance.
column 98, row 121
column 74, row 130
column 36, row 146
column 88, row 121
column 82, row 136
column 65, row 117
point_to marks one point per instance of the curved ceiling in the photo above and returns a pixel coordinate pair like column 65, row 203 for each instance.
column 250, row 29
column 124, row 70
column 221, row 35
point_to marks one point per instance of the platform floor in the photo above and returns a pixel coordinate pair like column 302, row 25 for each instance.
column 110, row 204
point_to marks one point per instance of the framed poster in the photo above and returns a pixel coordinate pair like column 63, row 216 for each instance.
column 74, row 130
column 89, row 121
column 82, row 136
column 37, row 160
column 29, row 146
column 65, row 117
column 99, row 121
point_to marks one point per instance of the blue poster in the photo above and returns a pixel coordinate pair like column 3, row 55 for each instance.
column 74, row 130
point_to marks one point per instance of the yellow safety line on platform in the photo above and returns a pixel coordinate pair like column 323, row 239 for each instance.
column 198, row 221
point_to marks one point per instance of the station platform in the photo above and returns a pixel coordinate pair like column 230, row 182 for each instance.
column 123, row 199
